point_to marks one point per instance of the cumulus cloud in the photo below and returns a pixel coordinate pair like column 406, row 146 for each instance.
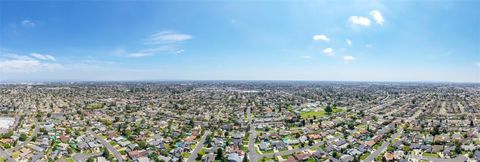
column 328, row 52
column 321, row 38
column 28, row 23
column 18, row 65
column 377, row 16
column 167, row 37
column 359, row 21
column 348, row 59
column 45, row 57
column 349, row 42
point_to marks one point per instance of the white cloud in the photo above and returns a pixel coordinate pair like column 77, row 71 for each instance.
column 167, row 37
column 11, row 62
column 161, row 42
column 377, row 16
column 148, row 52
column 348, row 59
column 321, row 38
column 45, row 57
column 25, row 66
column 18, row 65
column 349, row 42
column 478, row 64
column 359, row 20
column 139, row 54
column 28, row 23
column 306, row 57
column 178, row 51
column 328, row 52
column 124, row 53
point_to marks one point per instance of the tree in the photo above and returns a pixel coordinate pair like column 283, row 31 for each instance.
column 219, row 154
column 245, row 159
column 328, row 109
column 105, row 152
column 23, row 137
column 458, row 148
column 142, row 145
column 199, row 156
column 436, row 131
column 180, row 159
column 335, row 154
column 69, row 150
column 350, row 126
column 8, row 134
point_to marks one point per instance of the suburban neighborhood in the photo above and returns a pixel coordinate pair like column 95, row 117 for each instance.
column 240, row 121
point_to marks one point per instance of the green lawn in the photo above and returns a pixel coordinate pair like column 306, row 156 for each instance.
column 244, row 148
column 267, row 151
column 123, row 152
column 16, row 154
column 284, row 149
column 311, row 160
column 185, row 155
column 95, row 106
column 297, row 146
column 258, row 152
column 268, row 159
column 377, row 145
column 365, row 155
column 321, row 113
column 426, row 154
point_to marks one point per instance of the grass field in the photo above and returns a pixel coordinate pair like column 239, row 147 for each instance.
column 321, row 113
column 426, row 154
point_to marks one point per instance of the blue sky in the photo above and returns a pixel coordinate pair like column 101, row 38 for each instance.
column 241, row 40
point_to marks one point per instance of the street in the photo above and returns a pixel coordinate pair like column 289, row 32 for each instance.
column 382, row 148
column 199, row 146
column 5, row 155
column 110, row 148
column 19, row 146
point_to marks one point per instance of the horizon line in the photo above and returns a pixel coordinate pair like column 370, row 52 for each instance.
column 229, row 80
